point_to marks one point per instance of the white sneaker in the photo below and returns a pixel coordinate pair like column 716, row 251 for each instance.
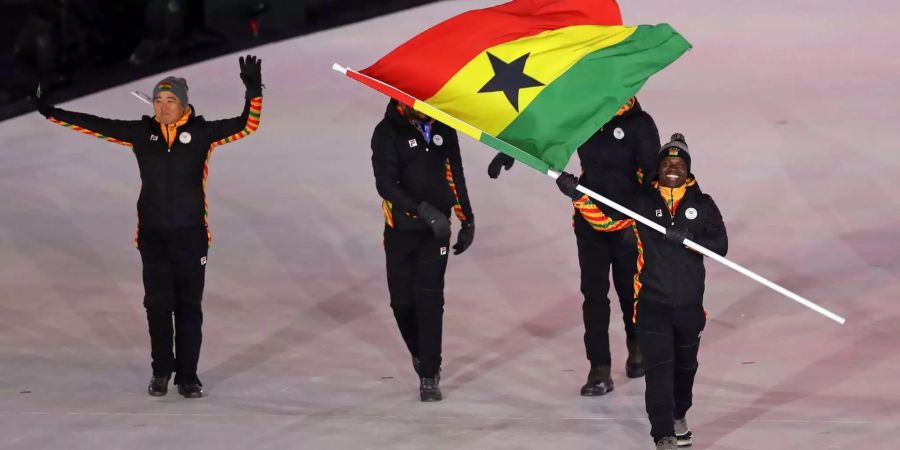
column 683, row 433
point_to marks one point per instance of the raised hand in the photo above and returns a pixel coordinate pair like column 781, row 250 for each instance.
column 251, row 72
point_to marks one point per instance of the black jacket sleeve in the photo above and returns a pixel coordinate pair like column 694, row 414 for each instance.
column 229, row 130
column 464, row 206
column 123, row 132
column 647, row 147
column 386, row 165
column 713, row 236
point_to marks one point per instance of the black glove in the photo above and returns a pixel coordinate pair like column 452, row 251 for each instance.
column 251, row 74
column 439, row 223
column 501, row 160
column 39, row 99
column 465, row 237
column 678, row 236
column 567, row 184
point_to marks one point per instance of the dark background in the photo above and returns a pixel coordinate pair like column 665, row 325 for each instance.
column 76, row 47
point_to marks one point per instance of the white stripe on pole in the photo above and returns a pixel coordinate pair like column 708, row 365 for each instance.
column 706, row 252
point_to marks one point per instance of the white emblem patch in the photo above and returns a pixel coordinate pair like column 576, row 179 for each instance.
column 619, row 133
column 658, row 213
column 443, row 251
column 154, row 137
column 413, row 143
column 691, row 213
column 438, row 140
column 184, row 137
column 202, row 260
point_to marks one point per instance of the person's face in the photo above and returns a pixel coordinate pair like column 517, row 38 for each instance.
column 415, row 115
column 673, row 172
column 168, row 108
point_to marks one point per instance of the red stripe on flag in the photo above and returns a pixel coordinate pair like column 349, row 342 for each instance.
column 385, row 89
column 424, row 64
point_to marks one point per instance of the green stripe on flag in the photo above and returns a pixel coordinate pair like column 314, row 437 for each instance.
column 511, row 150
column 585, row 97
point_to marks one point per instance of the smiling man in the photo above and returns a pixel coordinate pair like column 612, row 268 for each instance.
column 669, row 281
column 172, row 149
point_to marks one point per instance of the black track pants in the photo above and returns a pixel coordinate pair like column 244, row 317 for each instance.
column 174, row 272
column 416, row 263
column 669, row 339
column 595, row 257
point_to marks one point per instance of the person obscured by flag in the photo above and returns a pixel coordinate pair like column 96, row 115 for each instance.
column 613, row 162
column 419, row 175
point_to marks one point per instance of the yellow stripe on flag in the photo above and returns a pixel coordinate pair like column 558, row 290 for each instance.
column 552, row 53
column 447, row 119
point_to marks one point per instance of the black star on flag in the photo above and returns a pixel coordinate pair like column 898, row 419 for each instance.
column 509, row 78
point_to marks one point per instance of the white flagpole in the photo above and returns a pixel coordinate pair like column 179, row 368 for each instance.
column 709, row 253
column 691, row 244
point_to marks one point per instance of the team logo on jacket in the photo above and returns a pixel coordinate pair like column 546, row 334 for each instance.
column 438, row 140
column 154, row 137
column 690, row 213
column 413, row 143
column 184, row 137
column 619, row 133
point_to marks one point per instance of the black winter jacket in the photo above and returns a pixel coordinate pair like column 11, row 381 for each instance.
column 612, row 158
column 173, row 193
column 667, row 272
column 409, row 170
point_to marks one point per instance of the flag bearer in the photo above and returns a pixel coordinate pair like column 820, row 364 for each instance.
column 669, row 281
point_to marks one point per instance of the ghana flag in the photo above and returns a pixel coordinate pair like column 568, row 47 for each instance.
column 531, row 78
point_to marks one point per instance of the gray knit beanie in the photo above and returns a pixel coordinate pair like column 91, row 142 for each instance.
column 175, row 85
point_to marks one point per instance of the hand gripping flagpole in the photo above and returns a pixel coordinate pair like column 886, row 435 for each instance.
column 506, row 148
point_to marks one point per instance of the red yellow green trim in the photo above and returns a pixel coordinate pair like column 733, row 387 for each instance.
column 251, row 126
column 640, row 267
column 597, row 219
column 89, row 132
column 387, row 207
column 457, row 207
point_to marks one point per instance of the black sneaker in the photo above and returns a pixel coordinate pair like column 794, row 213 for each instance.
column 683, row 433
column 190, row 390
column 159, row 386
column 667, row 443
column 634, row 365
column 598, row 382
column 429, row 391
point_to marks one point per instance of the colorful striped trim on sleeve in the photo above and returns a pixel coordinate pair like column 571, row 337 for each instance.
column 598, row 220
column 387, row 207
column 457, row 207
column 250, row 127
column 637, row 273
column 88, row 132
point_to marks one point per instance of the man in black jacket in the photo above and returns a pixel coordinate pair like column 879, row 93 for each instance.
column 419, row 175
column 613, row 162
column 669, row 283
column 173, row 149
